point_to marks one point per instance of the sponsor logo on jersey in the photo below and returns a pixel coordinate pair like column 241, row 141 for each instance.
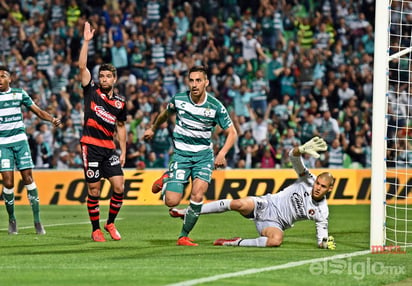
column 12, row 118
column 103, row 114
column 297, row 202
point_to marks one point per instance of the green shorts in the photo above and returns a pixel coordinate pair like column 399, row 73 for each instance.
column 181, row 168
column 18, row 155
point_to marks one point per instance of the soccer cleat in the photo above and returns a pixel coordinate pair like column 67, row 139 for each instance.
column 174, row 212
column 228, row 242
column 39, row 228
column 111, row 228
column 98, row 236
column 12, row 227
column 185, row 241
column 158, row 184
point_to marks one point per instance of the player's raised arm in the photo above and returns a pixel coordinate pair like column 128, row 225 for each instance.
column 87, row 37
column 312, row 147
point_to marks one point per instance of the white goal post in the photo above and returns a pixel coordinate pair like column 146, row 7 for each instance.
column 391, row 201
column 380, row 79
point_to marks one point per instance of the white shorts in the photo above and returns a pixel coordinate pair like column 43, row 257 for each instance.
column 265, row 216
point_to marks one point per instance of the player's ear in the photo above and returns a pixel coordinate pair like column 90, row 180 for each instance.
column 207, row 83
column 332, row 182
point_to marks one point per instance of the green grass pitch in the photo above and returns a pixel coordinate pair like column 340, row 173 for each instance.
column 147, row 254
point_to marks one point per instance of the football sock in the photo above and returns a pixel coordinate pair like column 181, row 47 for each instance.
column 191, row 217
column 115, row 204
column 260, row 242
column 33, row 196
column 8, row 197
column 216, row 207
column 94, row 211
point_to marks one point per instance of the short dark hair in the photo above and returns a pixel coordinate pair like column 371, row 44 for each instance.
column 4, row 68
column 202, row 69
column 108, row 67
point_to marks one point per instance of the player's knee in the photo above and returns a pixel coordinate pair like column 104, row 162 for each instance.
column 241, row 205
column 171, row 202
column 274, row 242
column 8, row 184
column 237, row 205
column 173, row 193
column 118, row 189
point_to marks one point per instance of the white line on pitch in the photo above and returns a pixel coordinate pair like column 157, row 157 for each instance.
column 58, row 224
column 271, row 268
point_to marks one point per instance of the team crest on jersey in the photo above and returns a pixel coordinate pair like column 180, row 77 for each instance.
column 90, row 173
column 118, row 104
column 208, row 112
column 311, row 212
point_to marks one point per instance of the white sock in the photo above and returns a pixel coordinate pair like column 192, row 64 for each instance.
column 216, row 207
column 259, row 242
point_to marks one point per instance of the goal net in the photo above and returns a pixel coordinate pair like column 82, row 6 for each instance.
column 391, row 187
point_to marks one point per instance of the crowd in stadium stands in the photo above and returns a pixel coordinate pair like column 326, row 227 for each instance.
column 286, row 71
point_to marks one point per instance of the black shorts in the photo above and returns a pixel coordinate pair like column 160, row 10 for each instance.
column 100, row 163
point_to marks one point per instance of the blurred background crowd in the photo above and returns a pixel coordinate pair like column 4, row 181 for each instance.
column 287, row 70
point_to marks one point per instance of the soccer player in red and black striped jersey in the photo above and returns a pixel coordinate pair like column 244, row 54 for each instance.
column 104, row 118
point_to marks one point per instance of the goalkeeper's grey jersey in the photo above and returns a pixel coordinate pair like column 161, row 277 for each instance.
column 295, row 202
column 195, row 123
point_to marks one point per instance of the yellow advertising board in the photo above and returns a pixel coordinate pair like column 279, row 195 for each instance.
column 69, row 188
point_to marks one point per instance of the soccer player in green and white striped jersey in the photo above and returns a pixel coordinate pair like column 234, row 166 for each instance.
column 14, row 147
column 197, row 113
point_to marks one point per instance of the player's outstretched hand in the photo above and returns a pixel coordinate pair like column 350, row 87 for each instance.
column 313, row 146
column 328, row 243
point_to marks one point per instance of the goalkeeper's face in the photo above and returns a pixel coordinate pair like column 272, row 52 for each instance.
column 321, row 186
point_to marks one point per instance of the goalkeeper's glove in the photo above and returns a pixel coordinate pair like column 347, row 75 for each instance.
column 313, row 146
column 328, row 243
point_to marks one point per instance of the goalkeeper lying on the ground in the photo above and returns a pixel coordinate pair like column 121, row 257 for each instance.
column 273, row 213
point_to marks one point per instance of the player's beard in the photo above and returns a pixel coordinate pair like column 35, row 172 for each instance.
column 106, row 90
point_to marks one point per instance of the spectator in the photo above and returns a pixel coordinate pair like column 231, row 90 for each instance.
column 328, row 127
column 42, row 154
column 273, row 72
column 345, row 93
column 309, row 128
column 357, row 152
column 259, row 123
column 132, row 151
column 64, row 161
column 289, row 140
column 162, row 145
column 170, row 75
column 73, row 13
column 153, row 162
column 288, row 83
column 119, row 56
column 260, row 87
column 268, row 157
column 334, row 156
column 251, row 49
